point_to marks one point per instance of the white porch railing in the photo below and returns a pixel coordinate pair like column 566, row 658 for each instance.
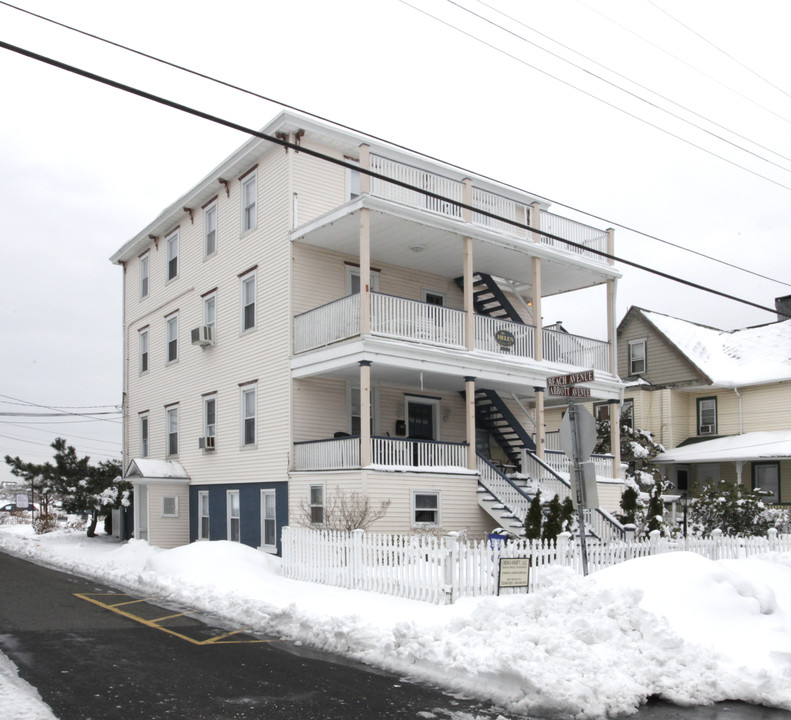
column 576, row 350
column 327, row 324
column 486, row 329
column 560, row 462
column 412, row 320
column 503, row 207
column 344, row 453
column 334, row 454
column 586, row 235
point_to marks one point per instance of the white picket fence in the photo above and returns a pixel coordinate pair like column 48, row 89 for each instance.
column 442, row 569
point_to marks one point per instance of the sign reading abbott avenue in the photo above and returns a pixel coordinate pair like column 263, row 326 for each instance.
column 568, row 391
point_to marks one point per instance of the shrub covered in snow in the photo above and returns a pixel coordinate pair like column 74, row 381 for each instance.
column 735, row 510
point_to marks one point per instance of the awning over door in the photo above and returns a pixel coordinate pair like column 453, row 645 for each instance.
column 156, row 471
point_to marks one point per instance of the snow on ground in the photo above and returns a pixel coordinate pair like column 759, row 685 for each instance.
column 676, row 626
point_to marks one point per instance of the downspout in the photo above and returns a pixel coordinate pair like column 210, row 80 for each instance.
column 741, row 419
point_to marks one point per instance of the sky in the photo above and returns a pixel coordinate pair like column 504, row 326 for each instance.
column 677, row 626
column 84, row 167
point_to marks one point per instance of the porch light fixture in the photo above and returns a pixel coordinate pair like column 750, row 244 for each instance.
column 417, row 247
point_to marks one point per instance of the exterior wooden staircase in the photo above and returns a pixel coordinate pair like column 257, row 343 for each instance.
column 489, row 299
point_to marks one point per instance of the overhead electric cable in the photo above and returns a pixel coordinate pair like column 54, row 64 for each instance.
column 719, row 49
column 56, row 411
column 393, row 144
column 684, row 62
column 624, row 77
column 595, row 97
column 357, row 168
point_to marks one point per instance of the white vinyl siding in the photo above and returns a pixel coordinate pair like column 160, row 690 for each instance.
column 167, row 532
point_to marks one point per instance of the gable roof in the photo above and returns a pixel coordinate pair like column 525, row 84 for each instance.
column 730, row 358
column 156, row 470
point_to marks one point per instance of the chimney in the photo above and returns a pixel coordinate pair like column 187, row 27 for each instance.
column 783, row 308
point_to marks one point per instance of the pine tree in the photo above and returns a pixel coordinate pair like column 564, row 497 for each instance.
column 534, row 519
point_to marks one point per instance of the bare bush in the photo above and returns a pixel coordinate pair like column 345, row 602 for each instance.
column 44, row 523
column 342, row 511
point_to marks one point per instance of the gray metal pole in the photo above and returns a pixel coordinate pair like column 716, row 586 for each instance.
column 575, row 438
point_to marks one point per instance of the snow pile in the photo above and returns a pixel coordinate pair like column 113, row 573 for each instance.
column 676, row 626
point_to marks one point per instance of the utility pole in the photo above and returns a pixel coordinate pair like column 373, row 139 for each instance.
column 579, row 481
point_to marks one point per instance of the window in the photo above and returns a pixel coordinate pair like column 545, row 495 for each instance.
column 233, row 515
column 637, row 358
column 173, row 338
column 268, row 520
column 210, row 416
column 173, row 431
column 248, row 416
column 353, row 405
column 143, row 338
column 425, row 508
column 766, row 477
column 433, row 298
column 210, row 230
column 170, row 506
column 353, row 280
column 248, row 302
column 144, row 435
column 144, row 259
column 210, row 314
column 317, row 504
column 601, row 411
column 707, row 416
column 173, row 255
column 203, row 515
column 249, row 193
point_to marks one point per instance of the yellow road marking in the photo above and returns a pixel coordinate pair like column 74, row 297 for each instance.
column 216, row 640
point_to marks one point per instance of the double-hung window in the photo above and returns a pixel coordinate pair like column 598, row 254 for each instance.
column 143, row 339
column 268, row 520
column 233, row 515
column 203, row 515
column 248, row 415
column 317, row 504
column 249, row 201
column 210, row 419
column 425, row 509
column 707, row 416
column 144, row 435
column 172, row 332
column 248, row 301
column 170, row 506
column 210, row 229
column 144, row 268
column 173, row 255
column 173, row 431
column 637, row 357
column 210, row 314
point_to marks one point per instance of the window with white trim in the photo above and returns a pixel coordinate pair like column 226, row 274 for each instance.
column 210, row 416
column 143, row 435
column 203, row 515
column 425, row 509
column 248, row 415
column 353, row 280
column 707, row 416
column 316, row 504
column 172, row 242
column 143, row 339
column 233, row 515
column 766, row 477
column 173, row 431
column 248, row 301
column 637, row 357
column 144, row 270
column 170, row 506
column 172, row 336
column 249, row 202
column 210, row 230
column 210, row 314
column 268, row 520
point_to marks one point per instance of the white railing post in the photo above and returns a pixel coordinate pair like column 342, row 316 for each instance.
column 449, row 562
column 357, row 558
column 772, row 536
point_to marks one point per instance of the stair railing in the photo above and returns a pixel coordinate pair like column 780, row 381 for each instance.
column 503, row 489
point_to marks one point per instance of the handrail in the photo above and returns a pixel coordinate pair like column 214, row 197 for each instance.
column 517, row 509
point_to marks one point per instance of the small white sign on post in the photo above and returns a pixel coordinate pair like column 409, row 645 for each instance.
column 514, row 573
column 21, row 501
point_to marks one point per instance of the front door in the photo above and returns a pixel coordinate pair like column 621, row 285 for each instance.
column 421, row 419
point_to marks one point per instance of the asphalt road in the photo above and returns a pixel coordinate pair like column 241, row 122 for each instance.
column 93, row 652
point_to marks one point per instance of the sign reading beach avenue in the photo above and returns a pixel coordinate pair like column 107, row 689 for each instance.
column 570, row 379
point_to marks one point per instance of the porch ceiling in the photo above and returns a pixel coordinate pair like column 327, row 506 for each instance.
column 419, row 241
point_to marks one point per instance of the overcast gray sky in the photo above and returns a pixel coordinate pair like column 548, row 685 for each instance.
column 84, row 167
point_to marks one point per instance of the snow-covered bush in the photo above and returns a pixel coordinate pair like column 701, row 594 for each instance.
column 735, row 510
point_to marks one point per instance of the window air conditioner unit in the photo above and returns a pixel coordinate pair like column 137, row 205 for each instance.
column 707, row 429
column 203, row 335
column 206, row 443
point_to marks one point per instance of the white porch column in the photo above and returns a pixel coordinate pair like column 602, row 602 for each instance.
column 614, row 408
column 612, row 328
column 540, row 424
column 365, row 413
column 365, row 272
column 535, row 221
column 739, row 466
column 472, row 458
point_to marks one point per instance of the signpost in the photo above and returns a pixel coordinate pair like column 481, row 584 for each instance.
column 577, row 439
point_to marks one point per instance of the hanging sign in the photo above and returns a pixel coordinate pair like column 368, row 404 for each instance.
column 505, row 339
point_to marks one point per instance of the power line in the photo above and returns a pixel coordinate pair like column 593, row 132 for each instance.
column 719, row 49
column 56, row 411
column 393, row 144
column 595, row 97
column 356, row 167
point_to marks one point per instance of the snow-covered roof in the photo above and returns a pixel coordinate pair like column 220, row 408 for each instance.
column 156, row 470
column 731, row 358
column 770, row 445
